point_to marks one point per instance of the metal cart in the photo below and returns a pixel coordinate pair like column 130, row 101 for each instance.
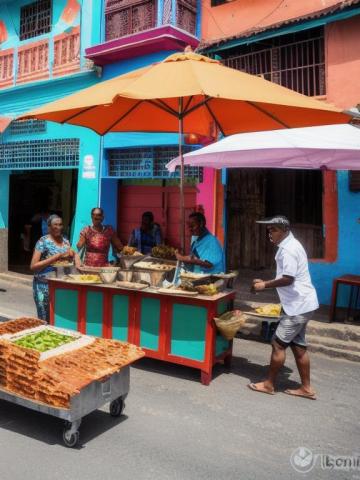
column 114, row 390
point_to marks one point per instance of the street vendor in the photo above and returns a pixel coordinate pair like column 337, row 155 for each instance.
column 96, row 240
column 299, row 301
column 206, row 252
column 147, row 236
column 49, row 249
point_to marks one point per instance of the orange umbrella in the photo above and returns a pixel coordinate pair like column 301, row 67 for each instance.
column 186, row 93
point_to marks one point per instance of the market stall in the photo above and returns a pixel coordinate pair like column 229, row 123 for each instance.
column 168, row 324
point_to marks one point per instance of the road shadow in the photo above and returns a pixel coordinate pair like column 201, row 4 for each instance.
column 253, row 372
column 174, row 370
column 48, row 429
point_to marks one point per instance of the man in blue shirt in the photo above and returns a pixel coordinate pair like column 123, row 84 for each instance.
column 207, row 255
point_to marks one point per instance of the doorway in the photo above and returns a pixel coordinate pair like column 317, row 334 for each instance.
column 31, row 193
column 163, row 201
column 256, row 193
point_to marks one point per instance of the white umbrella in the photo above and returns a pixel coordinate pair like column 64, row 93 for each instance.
column 333, row 147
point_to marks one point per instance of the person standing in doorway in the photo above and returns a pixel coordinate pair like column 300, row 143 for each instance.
column 147, row 236
column 299, row 301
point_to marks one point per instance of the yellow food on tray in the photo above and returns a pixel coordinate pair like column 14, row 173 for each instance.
column 207, row 289
column 86, row 278
column 271, row 309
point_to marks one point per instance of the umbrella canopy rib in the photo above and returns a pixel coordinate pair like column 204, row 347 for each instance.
column 213, row 116
column 84, row 110
column 163, row 106
column 122, row 117
column 268, row 114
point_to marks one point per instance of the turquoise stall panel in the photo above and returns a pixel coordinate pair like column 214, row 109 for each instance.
column 94, row 313
column 222, row 307
column 221, row 344
column 120, row 317
column 150, row 323
column 66, row 308
column 188, row 331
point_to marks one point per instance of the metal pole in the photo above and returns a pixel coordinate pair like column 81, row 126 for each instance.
column 182, row 198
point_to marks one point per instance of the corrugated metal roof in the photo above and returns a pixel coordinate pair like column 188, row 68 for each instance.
column 315, row 12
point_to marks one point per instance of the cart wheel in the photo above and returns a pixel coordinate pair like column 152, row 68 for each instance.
column 70, row 439
column 117, row 407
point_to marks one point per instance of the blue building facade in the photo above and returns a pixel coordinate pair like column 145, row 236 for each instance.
column 42, row 46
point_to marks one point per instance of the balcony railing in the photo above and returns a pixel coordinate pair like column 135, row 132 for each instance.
column 33, row 59
column 6, row 67
column 125, row 17
column 33, row 62
column 66, row 52
column 299, row 66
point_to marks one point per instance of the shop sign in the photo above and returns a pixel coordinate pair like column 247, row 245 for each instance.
column 89, row 169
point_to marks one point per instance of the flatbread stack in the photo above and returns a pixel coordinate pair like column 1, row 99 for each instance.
column 57, row 378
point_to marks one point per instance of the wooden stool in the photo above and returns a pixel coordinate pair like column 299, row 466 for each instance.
column 354, row 282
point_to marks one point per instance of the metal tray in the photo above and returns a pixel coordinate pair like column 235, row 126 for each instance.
column 114, row 389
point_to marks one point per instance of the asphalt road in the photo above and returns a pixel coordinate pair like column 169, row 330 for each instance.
column 175, row 428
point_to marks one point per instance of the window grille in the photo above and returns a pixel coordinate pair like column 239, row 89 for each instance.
column 292, row 61
column 39, row 154
column 124, row 17
column 186, row 15
column 27, row 127
column 148, row 162
column 35, row 19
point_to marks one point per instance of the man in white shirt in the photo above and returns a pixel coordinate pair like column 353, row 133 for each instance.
column 298, row 299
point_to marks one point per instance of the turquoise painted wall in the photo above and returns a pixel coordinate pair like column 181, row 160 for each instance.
column 348, row 260
column 19, row 99
column 4, row 198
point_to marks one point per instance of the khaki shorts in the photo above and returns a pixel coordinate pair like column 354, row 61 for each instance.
column 291, row 330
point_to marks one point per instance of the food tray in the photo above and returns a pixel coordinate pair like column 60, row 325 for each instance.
column 177, row 291
column 131, row 285
column 85, row 269
column 194, row 276
column 127, row 261
column 263, row 315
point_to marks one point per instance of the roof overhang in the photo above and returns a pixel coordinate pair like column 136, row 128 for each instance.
column 284, row 28
column 154, row 40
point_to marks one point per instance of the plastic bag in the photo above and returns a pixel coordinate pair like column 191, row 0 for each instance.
column 229, row 323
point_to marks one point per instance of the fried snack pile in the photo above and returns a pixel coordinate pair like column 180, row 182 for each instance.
column 272, row 309
column 163, row 251
column 130, row 251
column 58, row 378
column 14, row 326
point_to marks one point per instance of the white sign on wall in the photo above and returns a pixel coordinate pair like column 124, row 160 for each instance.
column 89, row 169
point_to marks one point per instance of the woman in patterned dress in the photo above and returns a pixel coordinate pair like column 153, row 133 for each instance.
column 49, row 249
column 96, row 239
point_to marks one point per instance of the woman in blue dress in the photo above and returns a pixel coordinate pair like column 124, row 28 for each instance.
column 49, row 249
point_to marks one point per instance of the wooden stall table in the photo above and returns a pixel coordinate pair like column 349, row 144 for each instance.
column 173, row 328
column 354, row 282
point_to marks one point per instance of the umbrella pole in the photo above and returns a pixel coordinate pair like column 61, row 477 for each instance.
column 182, row 197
